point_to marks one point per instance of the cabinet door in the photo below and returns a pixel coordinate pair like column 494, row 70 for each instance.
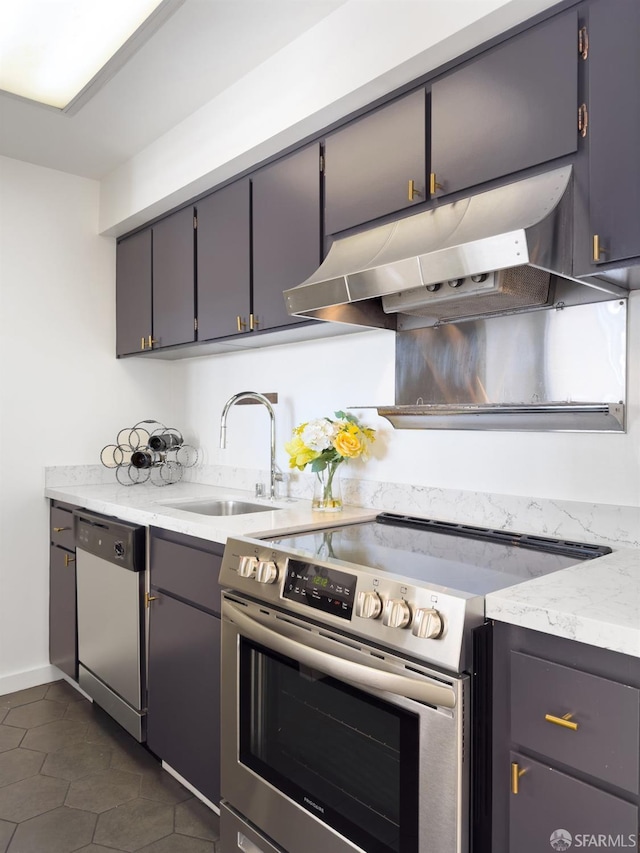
column 286, row 232
column 183, row 719
column 512, row 107
column 223, row 266
column 548, row 801
column 133, row 292
column 173, row 280
column 63, row 635
column 613, row 136
column 369, row 163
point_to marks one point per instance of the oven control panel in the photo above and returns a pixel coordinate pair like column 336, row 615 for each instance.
column 320, row 588
column 429, row 622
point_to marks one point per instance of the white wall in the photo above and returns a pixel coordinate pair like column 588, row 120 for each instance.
column 315, row 378
column 63, row 395
column 362, row 51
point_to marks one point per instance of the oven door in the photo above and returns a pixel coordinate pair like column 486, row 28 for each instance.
column 331, row 745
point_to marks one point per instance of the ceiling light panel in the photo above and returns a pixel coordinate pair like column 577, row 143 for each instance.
column 50, row 50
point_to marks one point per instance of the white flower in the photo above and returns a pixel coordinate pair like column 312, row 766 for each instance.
column 319, row 434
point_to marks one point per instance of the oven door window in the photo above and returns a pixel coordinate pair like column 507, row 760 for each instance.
column 345, row 756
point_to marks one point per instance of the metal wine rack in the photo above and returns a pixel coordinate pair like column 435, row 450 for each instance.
column 149, row 451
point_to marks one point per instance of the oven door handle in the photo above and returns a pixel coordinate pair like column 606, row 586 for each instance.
column 346, row 670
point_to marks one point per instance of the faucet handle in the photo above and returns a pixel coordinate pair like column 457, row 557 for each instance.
column 259, row 490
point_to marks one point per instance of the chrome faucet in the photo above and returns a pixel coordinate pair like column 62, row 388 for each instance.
column 274, row 471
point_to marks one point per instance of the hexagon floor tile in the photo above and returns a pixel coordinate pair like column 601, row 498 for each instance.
column 71, row 779
column 31, row 797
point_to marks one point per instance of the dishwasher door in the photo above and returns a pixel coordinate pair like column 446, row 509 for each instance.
column 110, row 589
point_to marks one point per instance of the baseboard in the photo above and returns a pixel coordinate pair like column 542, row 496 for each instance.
column 30, row 678
column 190, row 787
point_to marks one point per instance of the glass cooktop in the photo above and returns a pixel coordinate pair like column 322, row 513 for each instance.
column 469, row 559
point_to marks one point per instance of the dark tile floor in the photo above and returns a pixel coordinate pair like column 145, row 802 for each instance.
column 72, row 780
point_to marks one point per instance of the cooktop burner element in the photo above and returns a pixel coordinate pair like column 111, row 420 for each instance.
column 405, row 583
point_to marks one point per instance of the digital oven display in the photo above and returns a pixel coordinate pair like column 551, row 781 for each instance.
column 321, row 588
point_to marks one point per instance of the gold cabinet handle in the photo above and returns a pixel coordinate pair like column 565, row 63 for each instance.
column 566, row 722
column 151, row 341
column 433, row 184
column 598, row 250
column 413, row 191
column 253, row 322
column 68, row 559
column 241, row 323
column 148, row 598
column 143, row 343
column 60, row 529
column 516, row 773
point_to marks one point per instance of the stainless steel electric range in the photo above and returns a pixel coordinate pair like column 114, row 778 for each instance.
column 355, row 684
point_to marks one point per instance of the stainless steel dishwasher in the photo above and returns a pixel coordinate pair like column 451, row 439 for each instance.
column 110, row 587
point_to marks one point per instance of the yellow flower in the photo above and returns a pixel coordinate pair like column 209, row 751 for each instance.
column 348, row 443
column 300, row 455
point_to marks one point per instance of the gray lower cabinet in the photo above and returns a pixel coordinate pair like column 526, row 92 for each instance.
column 511, row 107
column 554, row 806
column 183, row 707
column 376, row 164
column 63, row 631
column 566, row 753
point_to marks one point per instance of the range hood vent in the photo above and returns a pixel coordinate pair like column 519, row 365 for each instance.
column 483, row 255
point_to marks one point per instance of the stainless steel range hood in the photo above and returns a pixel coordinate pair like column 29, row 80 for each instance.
column 495, row 252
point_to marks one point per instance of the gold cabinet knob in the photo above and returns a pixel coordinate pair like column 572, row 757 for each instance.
column 242, row 325
column 68, row 559
column 143, row 343
column 60, row 529
column 151, row 341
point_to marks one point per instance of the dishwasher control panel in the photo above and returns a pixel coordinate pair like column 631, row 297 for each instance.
column 111, row 539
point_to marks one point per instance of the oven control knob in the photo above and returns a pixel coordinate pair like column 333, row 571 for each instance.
column 397, row 613
column 247, row 567
column 267, row 572
column 368, row 605
column 427, row 624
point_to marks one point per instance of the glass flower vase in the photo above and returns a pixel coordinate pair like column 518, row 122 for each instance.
column 327, row 493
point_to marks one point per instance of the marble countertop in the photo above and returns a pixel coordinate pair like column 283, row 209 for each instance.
column 147, row 505
column 595, row 602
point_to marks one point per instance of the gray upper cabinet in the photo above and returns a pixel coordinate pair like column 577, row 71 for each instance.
column 224, row 261
column 155, row 288
column 133, row 292
column 512, row 107
column 173, row 280
column 286, row 215
column 377, row 164
column 613, row 134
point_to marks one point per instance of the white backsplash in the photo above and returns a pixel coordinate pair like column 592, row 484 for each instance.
column 602, row 524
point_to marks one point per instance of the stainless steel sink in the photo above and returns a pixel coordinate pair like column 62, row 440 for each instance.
column 221, row 507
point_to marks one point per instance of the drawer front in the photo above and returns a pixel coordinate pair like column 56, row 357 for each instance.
column 605, row 743
column 188, row 572
column 552, row 805
column 62, row 528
